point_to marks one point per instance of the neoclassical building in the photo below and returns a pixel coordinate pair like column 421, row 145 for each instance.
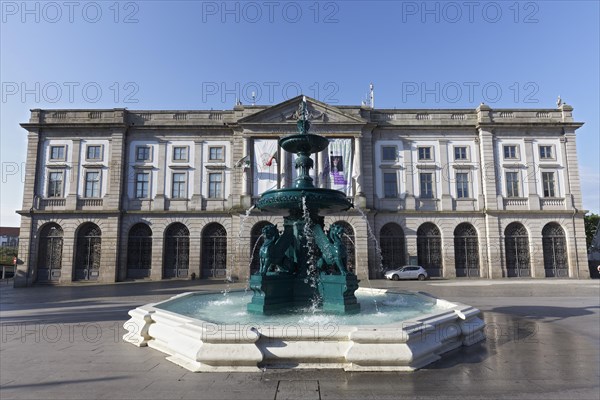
column 117, row 194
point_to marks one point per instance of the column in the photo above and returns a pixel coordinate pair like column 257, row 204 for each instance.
column 358, row 165
column 283, row 168
column 532, row 175
column 27, row 239
column 197, row 182
column 159, row 201
column 112, row 198
column 246, row 197
column 409, row 176
column 71, row 197
column 445, row 176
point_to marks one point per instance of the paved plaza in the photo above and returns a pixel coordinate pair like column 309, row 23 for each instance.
column 543, row 342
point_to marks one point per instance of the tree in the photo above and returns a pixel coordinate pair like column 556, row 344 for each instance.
column 7, row 254
column 591, row 224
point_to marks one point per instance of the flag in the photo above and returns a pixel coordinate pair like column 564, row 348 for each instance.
column 273, row 157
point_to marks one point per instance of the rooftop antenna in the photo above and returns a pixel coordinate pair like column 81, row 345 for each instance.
column 253, row 98
column 372, row 95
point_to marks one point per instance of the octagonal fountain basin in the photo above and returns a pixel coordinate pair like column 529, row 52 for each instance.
column 395, row 331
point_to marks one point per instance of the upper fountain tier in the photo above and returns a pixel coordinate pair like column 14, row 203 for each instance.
column 303, row 144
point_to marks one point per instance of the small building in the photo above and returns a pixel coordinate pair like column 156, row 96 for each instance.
column 117, row 194
column 9, row 236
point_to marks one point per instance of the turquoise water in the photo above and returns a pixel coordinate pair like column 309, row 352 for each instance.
column 230, row 308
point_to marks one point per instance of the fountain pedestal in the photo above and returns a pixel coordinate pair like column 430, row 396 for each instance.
column 337, row 293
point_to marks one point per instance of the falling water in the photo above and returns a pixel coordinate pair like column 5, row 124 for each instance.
column 236, row 262
column 252, row 259
column 372, row 237
column 310, row 246
column 366, row 270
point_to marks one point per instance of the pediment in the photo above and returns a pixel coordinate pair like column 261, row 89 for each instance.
column 287, row 112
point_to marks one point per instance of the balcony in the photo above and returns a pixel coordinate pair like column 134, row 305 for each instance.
column 552, row 203
column 52, row 204
column 89, row 203
column 516, row 203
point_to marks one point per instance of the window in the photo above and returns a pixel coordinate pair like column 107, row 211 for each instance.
column 510, row 152
column 178, row 191
column 215, row 181
column 215, row 153
column 94, row 152
column 424, row 153
column 462, row 185
column 55, row 184
column 512, row 184
column 92, row 184
column 57, row 152
column 390, row 185
column 388, row 153
column 548, row 182
column 142, row 153
column 546, row 153
column 142, row 182
column 426, row 185
column 460, row 153
column 180, row 153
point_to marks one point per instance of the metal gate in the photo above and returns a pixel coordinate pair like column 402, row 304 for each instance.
column 177, row 251
column 50, row 253
column 89, row 249
column 555, row 251
column 391, row 240
column 466, row 251
column 516, row 241
column 214, row 252
column 139, row 251
column 429, row 249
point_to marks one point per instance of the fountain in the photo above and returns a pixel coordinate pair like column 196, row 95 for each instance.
column 288, row 277
column 306, row 310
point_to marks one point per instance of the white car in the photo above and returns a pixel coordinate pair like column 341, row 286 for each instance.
column 407, row 272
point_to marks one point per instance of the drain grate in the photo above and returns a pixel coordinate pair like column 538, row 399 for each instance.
column 298, row 390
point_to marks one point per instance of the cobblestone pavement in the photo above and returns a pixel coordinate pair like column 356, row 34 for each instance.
column 543, row 342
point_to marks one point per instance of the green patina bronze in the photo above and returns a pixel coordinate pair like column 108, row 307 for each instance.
column 293, row 272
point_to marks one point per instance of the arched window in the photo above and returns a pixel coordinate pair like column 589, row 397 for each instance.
column 88, row 251
column 50, row 253
column 256, row 240
column 555, row 251
column 516, row 242
column 214, row 251
column 177, row 251
column 466, row 251
column 429, row 248
column 139, row 251
column 391, row 240
column 348, row 240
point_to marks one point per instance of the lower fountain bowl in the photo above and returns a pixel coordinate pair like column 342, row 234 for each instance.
column 377, row 343
column 323, row 201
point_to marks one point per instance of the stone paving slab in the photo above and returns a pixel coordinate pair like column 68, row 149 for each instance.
column 543, row 342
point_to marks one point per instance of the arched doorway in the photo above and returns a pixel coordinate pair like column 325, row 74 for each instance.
column 256, row 240
column 214, row 251
column 139, row 251
column 555, row 251
column 466, row 251
column 392, row 242
column 177, row 251
column 88, row 251
column 429, row 249
column 348, row 240
column 516, row 242
column 50, row 253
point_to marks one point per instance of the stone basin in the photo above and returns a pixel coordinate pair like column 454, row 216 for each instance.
column 236, row 344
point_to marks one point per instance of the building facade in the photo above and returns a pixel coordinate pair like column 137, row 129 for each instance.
column 114, row 194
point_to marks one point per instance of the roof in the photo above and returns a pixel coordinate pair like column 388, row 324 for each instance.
column 9, row 231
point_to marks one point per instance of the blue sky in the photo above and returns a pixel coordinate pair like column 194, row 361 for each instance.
column 202, row 55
